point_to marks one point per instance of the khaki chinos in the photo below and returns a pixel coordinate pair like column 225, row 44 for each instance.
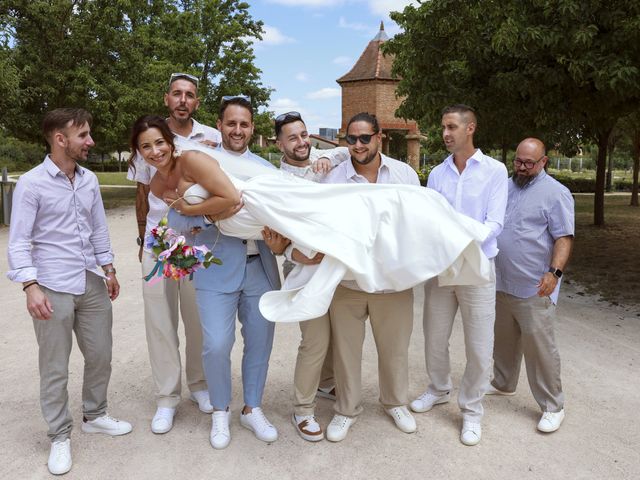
column 88, row 315
column 526, row 326
column 391, row 318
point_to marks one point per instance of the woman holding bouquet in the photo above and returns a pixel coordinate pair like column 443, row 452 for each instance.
column 164, row 297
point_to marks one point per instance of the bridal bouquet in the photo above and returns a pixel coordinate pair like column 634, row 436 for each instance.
column 176, row 259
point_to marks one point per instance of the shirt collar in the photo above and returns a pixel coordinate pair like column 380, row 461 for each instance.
column 477, row 157
column 351, row 171
column 287, row 167
column 54, row 170
column 536, row 179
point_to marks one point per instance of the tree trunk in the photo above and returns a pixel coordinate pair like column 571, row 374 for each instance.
column 636, row 167
column 609, row 170
column 601, row 167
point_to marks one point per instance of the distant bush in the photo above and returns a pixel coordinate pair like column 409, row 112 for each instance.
column 18, row 155
column 588, row 185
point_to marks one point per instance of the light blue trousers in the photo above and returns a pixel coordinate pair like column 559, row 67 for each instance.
column 218, row 318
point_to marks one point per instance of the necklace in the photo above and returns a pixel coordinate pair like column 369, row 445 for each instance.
column 71, row 177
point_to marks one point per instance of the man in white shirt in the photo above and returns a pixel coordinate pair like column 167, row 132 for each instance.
column 314, row 365
column 167, row 300
column 475, row 185
column 59, row 249
column 390, row 313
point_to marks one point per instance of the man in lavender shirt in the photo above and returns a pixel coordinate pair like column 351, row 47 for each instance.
column 535, row 246
column 475, row 185
column 59, row 250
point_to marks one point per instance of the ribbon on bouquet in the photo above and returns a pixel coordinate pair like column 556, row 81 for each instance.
column 157, row 271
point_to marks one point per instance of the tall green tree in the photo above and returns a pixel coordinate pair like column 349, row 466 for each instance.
column 115, row 58
column 564, row 70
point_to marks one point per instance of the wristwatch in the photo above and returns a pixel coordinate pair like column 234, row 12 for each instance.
column 139, row 241
column 109, row 270
column 556, row 272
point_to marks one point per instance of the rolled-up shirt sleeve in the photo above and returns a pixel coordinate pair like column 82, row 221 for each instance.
column 497, row 204
column 23, row 214
column 100, row 235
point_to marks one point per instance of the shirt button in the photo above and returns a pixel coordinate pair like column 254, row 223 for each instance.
column 244, row 241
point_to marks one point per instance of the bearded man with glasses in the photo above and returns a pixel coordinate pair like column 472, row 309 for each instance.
column 535, row 246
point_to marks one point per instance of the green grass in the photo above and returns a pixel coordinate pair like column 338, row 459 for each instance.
column 113, row 178
column 606, row 260
column 118, row 197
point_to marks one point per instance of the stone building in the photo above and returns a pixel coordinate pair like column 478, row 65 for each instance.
column 370, row 87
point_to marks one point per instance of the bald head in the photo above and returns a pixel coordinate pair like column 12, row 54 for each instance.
column 533, row 146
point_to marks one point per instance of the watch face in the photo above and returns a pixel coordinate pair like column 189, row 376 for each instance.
column 139, row 241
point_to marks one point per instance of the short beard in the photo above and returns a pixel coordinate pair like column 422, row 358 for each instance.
column 296, row 158
column 523, row 180
column 367, row 160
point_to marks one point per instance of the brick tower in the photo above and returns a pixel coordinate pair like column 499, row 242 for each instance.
column 370, row 87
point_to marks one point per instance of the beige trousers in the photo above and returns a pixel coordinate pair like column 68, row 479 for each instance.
column 391, row 317
column 477, row 308
column 526, row 326
column 89, row 316
column 161, row 303
column 314, row 364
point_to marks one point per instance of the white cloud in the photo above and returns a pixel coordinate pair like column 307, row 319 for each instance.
column 324, row 93
column 342, row 60
column 273, row 36
column 343, row 23
column 302, row 77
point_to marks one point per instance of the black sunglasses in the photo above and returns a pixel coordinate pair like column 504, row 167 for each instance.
column 365, row 139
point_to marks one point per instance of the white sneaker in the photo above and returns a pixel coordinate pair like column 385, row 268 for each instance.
column 339, row 427
column 60, row 457
column 426, row 401
column 551, row 421
column 220, row 435
column 163, row 420
column 494, row 391
column 403, row 419
column 471, row 433
column 106, row 424
column 201, row 397
column 308, row 427
column 259, row 425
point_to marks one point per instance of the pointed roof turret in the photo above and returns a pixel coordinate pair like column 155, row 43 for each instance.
column 372, row 64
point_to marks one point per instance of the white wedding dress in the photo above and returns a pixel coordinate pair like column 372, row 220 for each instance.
column 385, row 237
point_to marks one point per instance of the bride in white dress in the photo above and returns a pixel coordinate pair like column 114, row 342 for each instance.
column 385, row 237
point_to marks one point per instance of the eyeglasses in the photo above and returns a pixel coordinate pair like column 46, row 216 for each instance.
column 365, row 139
column 187, row 76
column 528, row 164
column 229, row 98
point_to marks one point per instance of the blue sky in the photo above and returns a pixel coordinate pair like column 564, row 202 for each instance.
column 308, row 44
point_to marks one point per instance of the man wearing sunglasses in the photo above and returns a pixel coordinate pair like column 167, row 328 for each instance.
column 163, row 300
column 476, row 186
column 390, row 313
column 535, row 246
column 314, row 366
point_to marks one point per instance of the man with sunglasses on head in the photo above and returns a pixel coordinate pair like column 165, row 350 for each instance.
column 390, row 313
column 248, row 270
column 535, row 246
column 475, row 185
column 314, row 365
column 164, row 299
